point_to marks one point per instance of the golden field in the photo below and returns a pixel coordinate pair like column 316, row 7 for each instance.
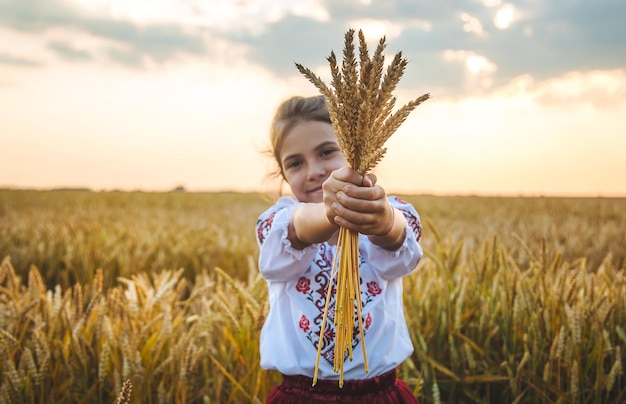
column 517, row 299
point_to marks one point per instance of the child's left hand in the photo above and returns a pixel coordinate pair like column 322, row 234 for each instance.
column 355, row 202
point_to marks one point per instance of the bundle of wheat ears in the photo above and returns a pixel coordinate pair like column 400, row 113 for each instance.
column 361, row 104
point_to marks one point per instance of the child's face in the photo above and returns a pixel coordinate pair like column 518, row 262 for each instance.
column 310, row 152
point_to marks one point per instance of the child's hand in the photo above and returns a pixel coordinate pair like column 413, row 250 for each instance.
column 355, row 202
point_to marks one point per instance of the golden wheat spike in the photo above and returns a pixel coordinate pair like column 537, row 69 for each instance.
column 335, row 73
column 360, row 102
column 313, row 78
column 125, row 393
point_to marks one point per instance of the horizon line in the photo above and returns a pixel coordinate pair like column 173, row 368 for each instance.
column 183, row 189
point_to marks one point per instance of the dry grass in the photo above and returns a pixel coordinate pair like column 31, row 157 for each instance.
column 518, row 299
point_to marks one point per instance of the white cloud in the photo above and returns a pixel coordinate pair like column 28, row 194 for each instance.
column 223, row 14
column 492, row 3
column 478, row 68
column 424, row 25
column 479, row 64
column 599, row 88
column 138, row 11
column 474, row 63
column 22, row 44
column 472, row 24
column 505, row 16
column 376, row 29
column 313, row 9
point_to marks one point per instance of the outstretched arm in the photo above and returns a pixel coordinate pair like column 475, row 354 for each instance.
column 310, row 225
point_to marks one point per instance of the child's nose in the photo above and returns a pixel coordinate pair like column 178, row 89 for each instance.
column 315, row 171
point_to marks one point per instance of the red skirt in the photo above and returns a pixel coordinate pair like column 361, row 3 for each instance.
column 384, row 389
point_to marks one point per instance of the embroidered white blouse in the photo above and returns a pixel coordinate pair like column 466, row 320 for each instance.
column 297, row 283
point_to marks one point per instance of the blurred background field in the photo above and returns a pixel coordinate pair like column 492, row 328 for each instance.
column 69, row 234
column 516, row 299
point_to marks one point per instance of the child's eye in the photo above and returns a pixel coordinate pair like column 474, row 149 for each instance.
column 293, row 164
column 328, row 152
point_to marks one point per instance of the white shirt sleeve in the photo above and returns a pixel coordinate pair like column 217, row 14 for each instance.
column 278, row 260
column 402, row 261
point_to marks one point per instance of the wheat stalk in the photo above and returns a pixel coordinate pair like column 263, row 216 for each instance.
column 360, row 103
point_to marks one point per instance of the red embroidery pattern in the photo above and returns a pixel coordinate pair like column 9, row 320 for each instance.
column 414, row 223
column 373, row 288
column 315, row 288
column 303, row 285
column 411, row 219
column 324, row 258
column 304, row 323
column 399, row 200
column 263, row 227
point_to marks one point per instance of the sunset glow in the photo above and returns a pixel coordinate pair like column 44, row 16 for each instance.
column 154, row 95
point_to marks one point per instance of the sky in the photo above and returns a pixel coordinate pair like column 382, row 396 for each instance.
column 528, row 98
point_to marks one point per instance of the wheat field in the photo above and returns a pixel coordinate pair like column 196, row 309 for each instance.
column 516, row 300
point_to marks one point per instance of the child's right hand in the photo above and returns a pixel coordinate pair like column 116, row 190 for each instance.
column 355, row 202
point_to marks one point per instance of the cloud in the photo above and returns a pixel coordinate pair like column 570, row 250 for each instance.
column 505, row 16
column 601, row 89
column 472, row 24
column 158, row 42
column 34, row 15
column 598, row 89
column 568, row 36
column 68, row 52
column 530, row 37
column 10, row 59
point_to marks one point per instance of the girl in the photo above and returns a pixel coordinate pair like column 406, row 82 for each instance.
column 297, row 238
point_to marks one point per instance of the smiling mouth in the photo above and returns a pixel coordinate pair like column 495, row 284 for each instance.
column 311, row 191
